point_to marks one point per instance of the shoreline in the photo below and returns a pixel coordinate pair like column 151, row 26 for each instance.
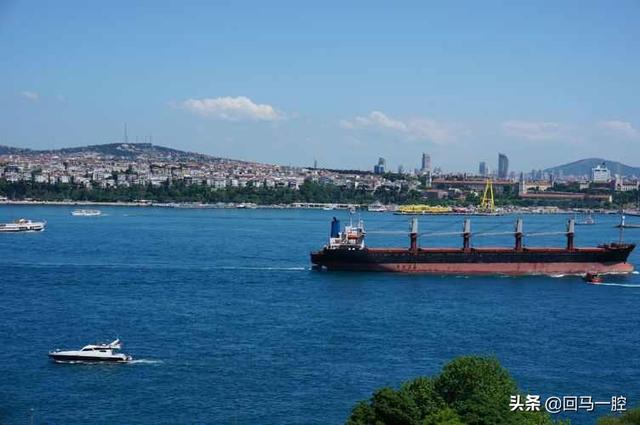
column 298, row 205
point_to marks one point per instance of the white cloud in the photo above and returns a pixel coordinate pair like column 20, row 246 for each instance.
column 621, row 127
column 414, row 129
column 532, row 130
column 232, row 109
column 30, row 95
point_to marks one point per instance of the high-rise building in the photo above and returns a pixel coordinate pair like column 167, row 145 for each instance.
column 426, row 163
column 379, row 168
column 503, row 166
column 600, row 174
column 400, row 169
column 482, row 169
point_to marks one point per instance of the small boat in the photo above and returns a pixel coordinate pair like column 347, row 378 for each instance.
column 330, row 207
column 593, row 278
column 623, row 225
column 587, row 221
column 376, row 207
column 86, row 213
column 98, row 353
column 23, row 225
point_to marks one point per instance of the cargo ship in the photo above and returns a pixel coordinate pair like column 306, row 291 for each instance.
column 346, row 250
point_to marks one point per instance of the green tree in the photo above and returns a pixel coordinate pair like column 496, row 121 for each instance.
column 469, row 390
column 632, row 417
column 478, row 388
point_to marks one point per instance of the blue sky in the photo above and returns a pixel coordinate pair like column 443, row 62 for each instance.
column 288, row 82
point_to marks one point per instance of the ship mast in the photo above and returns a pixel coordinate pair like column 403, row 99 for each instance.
column 413, row 236
column 570, row 234
column 518, row 234
column 466, row 235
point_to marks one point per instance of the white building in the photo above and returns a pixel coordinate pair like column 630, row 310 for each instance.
column 600, row 174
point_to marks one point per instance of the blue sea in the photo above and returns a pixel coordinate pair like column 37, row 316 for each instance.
column 230, row 326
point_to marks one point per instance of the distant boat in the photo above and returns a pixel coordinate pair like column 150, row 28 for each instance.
column 86, row 213
column 23, row 225
column 248, row 205
column 593, row 278
column 376, row 207
column 623, row 225
column 587, row 221
column 329, row 207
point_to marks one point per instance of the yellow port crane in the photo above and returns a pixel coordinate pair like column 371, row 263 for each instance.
column 486, row 203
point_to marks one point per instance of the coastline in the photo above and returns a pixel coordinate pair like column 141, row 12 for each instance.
column 314, row 206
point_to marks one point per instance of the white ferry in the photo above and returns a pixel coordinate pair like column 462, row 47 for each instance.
column 86, row 213
column 23, row 225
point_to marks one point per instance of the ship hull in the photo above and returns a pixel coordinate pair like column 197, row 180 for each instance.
column 501, row 261
column 65, row 358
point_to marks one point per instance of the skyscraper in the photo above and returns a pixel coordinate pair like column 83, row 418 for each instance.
column 426, row 163
column 503, row 166
column 482, row 169
column 379, row 168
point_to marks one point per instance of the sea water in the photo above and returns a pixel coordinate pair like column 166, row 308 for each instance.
column 229, row 325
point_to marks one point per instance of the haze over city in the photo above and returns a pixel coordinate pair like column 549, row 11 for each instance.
column 342, row 85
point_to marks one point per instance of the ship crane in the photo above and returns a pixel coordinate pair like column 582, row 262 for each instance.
column 466, row 234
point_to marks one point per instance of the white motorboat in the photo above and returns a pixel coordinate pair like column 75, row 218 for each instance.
column 86, row 213
column 376, row 207
column 98, row 353
column 23, row 225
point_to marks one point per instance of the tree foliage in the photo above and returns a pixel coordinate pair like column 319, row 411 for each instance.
column 469, row 390
column 632, row 417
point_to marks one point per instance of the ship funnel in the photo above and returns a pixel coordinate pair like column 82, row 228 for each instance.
column 570, row 233
column 335, row 227
column 466, row 234
column 518, row 234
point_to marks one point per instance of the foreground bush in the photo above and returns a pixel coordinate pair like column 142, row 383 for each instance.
column 469, row 390
column 632, row 417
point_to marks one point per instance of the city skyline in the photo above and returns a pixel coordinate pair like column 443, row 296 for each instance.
column 221, row 80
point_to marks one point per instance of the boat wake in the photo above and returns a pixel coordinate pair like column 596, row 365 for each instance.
column 623, row 285
column 286, row 269
column 145, row 361
column 152, row 266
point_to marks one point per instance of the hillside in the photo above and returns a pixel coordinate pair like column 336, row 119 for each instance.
column 8, row 150
column 118, row 150
column 583, row 168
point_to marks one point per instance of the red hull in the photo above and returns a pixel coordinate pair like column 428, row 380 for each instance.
column 514, row 269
